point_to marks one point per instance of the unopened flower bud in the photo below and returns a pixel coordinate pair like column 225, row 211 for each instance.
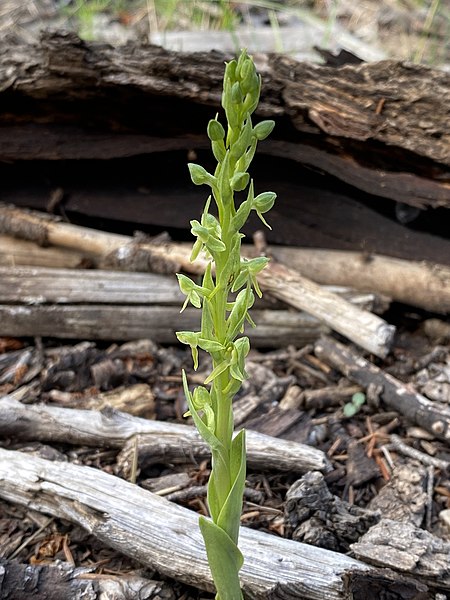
column 263, row 129
column 264, row 202
column 199, row 175
column 240, row 181
column 230, row 70
column 236, row 93
column 215, row 131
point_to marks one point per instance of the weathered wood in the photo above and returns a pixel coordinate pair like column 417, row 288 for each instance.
column 368, row 330
column 158, row 441
column 432, row 416
column 37, row 285
column 166, row 537
column 16, row 252
column 70, row 286
column 383, row 105
column 420, row 284
column 53, row 582
column 403, row 498
column 407, row 548
column 275, row 328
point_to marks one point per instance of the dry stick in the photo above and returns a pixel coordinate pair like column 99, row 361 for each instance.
column 165, row 537
column 395, row 394
column 369, row 331
column 159, row 441
column 14, row 252
column 420, row 284
column 365, row 329
column 398, row 444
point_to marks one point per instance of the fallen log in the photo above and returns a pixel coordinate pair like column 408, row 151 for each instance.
column 275, row 328
column 432, row 416
column 154, row 441
column 166, row 537
column 15, row 252
column 111, row 305
column 421, row 284
column 368, row 330
column 37, row 285
column 350, row 146
column 62, row 580
column 384, row 104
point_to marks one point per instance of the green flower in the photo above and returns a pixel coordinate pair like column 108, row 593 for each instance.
column 192, row 291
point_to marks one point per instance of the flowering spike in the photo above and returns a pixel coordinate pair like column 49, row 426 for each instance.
column 223, row 315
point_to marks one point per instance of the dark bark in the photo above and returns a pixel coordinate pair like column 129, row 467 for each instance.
column 355, row 138
column 20, row 581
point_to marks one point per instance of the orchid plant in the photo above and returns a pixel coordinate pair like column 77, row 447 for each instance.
column 225, row 296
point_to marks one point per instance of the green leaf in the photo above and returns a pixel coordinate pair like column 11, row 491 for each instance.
column 207, row 329
column 224, row 179
column 220, row 368
column 244, row 162
column 225, row 560
column 244, row 301
column 241, row 348
column 231, row 267
column 243, row 211
column 214, row 504
column 358, row 399
column 350, row 410
column 229, row 518
column 240, row 280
